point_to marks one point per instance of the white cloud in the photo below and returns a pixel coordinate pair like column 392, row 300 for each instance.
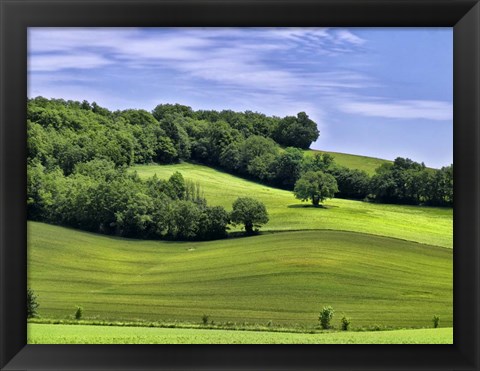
column 348, row 37
column 55, row 62
column 189, row 44
column 232, row 57
column 404, row 109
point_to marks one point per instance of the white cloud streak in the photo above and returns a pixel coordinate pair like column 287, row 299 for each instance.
column 227, row 56
column 49, row 62
column 403, row 109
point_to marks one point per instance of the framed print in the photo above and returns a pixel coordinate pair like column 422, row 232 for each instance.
column 297, row 181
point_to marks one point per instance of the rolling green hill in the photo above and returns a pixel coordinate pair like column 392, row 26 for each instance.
column 429, row 225
column 282, row 277
column 78, row 334
column 367, row 164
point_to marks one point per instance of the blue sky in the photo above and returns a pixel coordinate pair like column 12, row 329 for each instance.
column 382, row 92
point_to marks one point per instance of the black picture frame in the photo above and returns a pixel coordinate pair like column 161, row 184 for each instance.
column 17, row 16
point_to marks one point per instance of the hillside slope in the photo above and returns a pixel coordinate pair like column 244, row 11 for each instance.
column 427, row 225
column 365, row 163
column 283, row 277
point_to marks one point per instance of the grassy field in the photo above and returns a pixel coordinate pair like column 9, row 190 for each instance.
column 385, row 266
column 367, row 164
column 283, row 277
column 420, row 224
column 77, row 334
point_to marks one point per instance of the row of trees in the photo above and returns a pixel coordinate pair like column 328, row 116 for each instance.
column 408, row 182
column 99, row 197
column 64, row 133
column 402, row 182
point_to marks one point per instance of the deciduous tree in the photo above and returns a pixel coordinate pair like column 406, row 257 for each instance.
column 315, row 186
column 249, row 212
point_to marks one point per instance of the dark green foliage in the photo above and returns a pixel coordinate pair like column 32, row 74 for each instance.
column 101, row 198
column 262, row 167
column 172, row 126
column 205, row 318
column 62, row 134
column 178, row 185
column 439, row 187
column 163, row 110
column 65, row 133
column 213, row 223
column 100, row 110
column 249, row 212
column 139, row 117
column 165, row 151
column 315, row 186
column 287, row 167
column 79, row 313
column 151, row 143
column 219, row 135
column 231, row 158
column 326, row 316
column 408, row 182
column 436, row 320
column 257, row 146
column 32, row 303
column 345, row 323
column 317, row 162
column 297, row 131
column 351, row 183
column 194, row 193
column 185, row 219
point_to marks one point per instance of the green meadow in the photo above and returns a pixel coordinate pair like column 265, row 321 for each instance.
column 283, row 278
column 166, row 264
column 383, row 266
column 78, row 334
column 427, row 225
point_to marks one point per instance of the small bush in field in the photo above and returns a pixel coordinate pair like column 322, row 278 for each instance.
column 79, row 313
column 326, row 316
column 345, row 323
column 436, row 320
column 205, row 318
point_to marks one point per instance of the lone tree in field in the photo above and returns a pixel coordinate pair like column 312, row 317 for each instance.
column 32, row 303
column 249, row 212
column 316, row 186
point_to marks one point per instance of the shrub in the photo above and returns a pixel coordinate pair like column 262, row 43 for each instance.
column 79, row 313
column 205, row 318
column 32, row 303
column 345, row 323
column 436, row 320
column 326, row 316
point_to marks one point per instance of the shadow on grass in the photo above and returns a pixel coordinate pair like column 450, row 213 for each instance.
column 310, row 206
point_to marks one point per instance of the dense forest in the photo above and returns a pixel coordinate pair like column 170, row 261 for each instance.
column 78, row 155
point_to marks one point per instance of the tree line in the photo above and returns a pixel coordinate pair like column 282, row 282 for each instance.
column 78, row 150
column 402, row 182
column 102, row 198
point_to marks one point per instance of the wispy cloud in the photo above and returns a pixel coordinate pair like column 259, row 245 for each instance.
column 347, row 37
column 227, row 56
column 54, row 62
column 403, row 109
